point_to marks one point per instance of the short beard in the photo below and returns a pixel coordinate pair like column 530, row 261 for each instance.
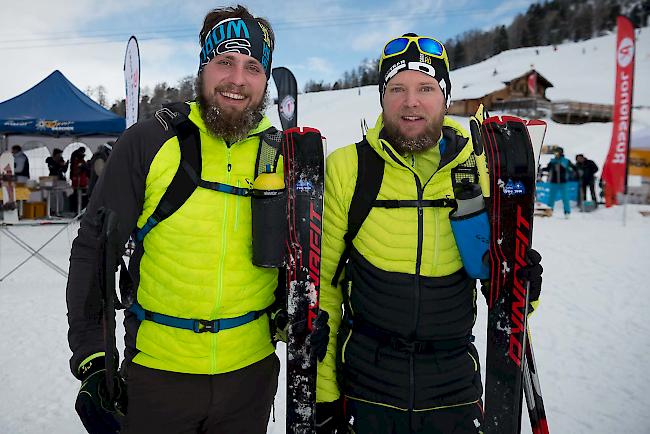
column 231, row 126
column 418, row 144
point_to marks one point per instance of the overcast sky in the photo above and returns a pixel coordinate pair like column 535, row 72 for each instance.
column 316, row 39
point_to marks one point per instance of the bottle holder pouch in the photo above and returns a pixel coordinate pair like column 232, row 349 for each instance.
column 269, row 213
column 472, row 234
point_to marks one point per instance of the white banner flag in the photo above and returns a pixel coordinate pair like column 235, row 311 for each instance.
column 132, row 81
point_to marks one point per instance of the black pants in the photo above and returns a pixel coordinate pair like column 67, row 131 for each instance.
column 169, row 402
column 583, row 192
column 592, row 188
column 365, row 418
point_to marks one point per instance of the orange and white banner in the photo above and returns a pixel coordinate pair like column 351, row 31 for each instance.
column 132, row 80
column 615, row 167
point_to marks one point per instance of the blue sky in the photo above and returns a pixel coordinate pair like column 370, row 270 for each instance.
column 316, row 39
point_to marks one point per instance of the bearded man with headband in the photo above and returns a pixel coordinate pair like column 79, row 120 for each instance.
column 400, row 299
column 199, row 355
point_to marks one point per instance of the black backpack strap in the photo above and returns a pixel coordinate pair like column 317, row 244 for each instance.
column 370, row 174
column 187, row 175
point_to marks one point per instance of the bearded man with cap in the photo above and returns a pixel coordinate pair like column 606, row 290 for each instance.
column 400, row 357
column 191, row 273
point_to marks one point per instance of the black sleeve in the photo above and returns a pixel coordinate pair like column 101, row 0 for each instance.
column 121, row 189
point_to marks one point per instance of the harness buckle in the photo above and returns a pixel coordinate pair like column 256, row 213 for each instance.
column 403, row 345
column 205, row 325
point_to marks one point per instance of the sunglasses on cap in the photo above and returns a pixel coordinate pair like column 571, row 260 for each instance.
column 426, row 45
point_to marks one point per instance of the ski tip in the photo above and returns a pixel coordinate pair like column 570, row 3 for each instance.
column 504, row 119
column 535, row 122
column 301, row 130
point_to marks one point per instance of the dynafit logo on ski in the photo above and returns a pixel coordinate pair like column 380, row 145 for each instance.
column 315, row 224
column 518, row 306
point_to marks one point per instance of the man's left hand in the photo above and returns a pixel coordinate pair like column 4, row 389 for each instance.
column 320, row 335
column 532, row 273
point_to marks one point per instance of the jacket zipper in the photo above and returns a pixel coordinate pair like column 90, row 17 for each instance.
column 224, row 231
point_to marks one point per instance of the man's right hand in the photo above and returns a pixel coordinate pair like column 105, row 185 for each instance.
column 96, row 411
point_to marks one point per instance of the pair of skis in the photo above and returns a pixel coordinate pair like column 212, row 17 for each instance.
column 509, row 147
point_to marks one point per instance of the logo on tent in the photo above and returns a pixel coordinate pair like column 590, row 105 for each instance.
column 55, row 125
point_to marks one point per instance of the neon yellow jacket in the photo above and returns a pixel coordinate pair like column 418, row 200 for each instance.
column 197, row 263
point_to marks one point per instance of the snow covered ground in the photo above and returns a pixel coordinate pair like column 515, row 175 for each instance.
column 591, row 333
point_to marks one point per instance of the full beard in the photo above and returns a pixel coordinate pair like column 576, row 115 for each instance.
column 231, row 125
column 420, row 143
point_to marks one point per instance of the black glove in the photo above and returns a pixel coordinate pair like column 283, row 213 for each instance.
column 320, row 335
column 330, row 418
column 97, row 412
column 532, row 273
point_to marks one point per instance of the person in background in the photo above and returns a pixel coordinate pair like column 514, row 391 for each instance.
column 97, row 163
column 587, row 170
column 56, row 165
column 560, row 171
column 79, row 175
column 21, row 164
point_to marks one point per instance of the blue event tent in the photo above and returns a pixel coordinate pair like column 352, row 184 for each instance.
column 55, row 107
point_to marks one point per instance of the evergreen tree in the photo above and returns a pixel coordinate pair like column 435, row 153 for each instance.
column 500, row 40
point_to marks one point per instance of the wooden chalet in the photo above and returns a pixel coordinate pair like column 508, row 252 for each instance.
column 525, row 95
column 526, row 90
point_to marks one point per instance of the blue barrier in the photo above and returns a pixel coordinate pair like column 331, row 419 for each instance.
column 542, row 191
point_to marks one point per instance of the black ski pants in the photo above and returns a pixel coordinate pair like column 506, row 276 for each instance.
column 366, row 418
column 169, row 402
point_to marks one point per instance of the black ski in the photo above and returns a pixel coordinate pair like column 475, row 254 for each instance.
column 302, row 150
column 512, row 163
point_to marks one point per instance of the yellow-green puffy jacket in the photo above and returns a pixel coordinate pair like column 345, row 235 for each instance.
column 388, row 239
column 197, row 263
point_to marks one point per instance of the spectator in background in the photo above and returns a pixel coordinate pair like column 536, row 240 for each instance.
column 56, row 164
column 96, row 164
column 79, row 175
column 21, row 164
column 586, row 176
column 560, row 171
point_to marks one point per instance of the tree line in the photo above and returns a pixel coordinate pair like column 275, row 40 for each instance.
column 152, row 100
column 545, row 23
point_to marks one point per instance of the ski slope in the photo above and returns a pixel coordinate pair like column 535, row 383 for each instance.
column 591, row 332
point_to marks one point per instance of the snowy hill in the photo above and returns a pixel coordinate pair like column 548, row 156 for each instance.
column 581, row 71
column 591, row 332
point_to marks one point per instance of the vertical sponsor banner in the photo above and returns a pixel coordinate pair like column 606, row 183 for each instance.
column 615, row 167
column 287, row 97
column 532, row 84
column 132, row 80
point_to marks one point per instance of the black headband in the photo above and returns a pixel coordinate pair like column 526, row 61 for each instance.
column 238, row 35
